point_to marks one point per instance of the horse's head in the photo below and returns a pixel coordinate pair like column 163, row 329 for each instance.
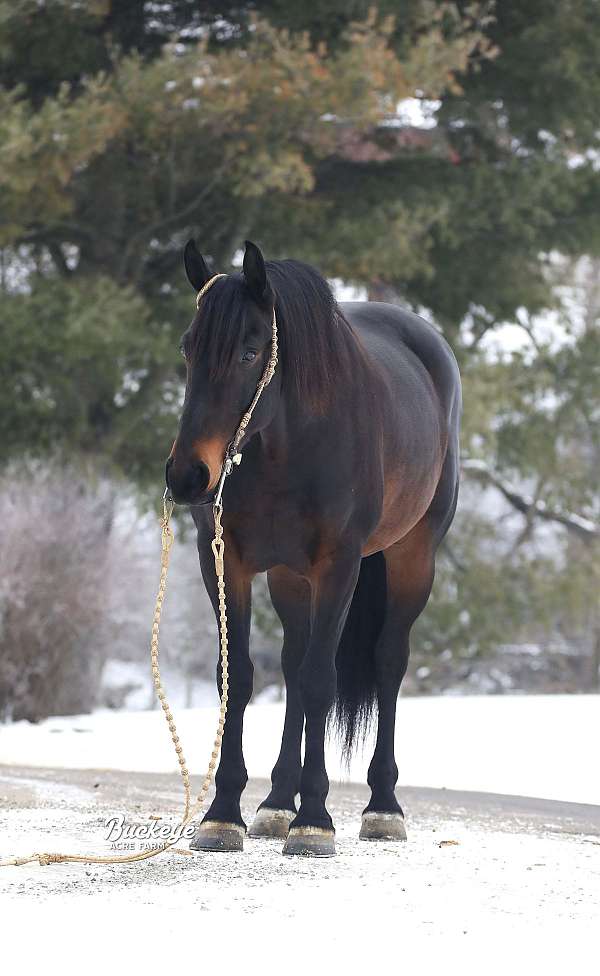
column 226, row 349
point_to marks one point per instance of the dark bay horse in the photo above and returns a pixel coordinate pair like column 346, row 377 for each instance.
column 348, row 484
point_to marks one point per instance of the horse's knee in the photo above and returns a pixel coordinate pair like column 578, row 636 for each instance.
column 317, row 687
column 240, row 682
column 291, row 656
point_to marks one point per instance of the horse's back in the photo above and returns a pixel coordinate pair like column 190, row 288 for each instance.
column 388, row 332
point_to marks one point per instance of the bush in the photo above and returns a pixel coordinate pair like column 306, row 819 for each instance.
column 54, row 552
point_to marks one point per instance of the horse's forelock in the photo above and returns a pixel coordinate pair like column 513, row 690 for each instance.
column 316, row 347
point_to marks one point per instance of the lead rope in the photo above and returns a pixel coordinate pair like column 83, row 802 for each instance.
column 189, row 812
column 218, row 547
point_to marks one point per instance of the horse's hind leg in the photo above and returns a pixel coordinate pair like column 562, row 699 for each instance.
column 291, row 598
column 409, row 576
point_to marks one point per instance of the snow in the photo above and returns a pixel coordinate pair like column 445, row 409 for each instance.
column 536, row 746
column 419, row 112
column 311, row 912
column 128, row 685
column 513, row 887
column 327, row 933
column 347, row 293
column 504, row 890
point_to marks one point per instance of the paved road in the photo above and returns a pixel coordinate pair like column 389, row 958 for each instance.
column 490, row 867
column 29, row 787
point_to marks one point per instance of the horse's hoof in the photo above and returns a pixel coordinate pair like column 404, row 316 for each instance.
column 212, row 835
column 310, row 841
column 382, row 826
column 271, row 823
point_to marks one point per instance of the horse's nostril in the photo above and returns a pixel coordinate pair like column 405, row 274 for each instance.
column 202, row 476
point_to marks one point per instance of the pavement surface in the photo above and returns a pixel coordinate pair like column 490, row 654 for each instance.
column 476, row 866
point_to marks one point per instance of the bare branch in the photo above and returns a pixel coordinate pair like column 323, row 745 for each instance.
column 59, row 231
column 163, row 224
column 582, row 527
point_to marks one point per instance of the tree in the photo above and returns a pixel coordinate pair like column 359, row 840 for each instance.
column 103, row 179
column 523, row 559
column 126, row 128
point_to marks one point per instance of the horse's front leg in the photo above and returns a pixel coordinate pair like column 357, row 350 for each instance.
column 223, row 828
column 291, row 598
column 332, row 583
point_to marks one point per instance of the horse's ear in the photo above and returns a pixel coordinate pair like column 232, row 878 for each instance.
column 255, row 273
column 195, row 266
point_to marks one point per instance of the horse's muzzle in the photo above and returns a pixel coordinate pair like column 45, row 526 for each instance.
column 188, row 485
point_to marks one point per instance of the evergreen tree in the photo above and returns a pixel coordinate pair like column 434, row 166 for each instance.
column 128, row 127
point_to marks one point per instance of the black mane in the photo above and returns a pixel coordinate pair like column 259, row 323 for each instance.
column 316, row 343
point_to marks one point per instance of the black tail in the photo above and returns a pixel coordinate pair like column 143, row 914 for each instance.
column 355, row 660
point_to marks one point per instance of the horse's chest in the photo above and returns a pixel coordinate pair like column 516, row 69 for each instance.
column 271, row 535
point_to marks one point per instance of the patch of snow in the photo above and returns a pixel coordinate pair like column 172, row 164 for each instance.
column 131, row 682
column 419, row 112
column 269, row 695
column 523, row 745
column 347, row 293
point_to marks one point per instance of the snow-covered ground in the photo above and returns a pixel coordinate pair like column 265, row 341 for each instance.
column 481, row 883
column 484, row 882
column 541, row 746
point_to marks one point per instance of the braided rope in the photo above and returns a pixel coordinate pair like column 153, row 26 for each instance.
column 218, row 548
column 206, row 286
column 264, row 381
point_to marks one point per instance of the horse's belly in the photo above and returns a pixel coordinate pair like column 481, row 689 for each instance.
column 403, row 506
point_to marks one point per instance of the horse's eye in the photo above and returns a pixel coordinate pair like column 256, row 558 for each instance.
column 249, row 356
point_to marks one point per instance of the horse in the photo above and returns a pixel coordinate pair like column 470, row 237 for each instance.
column 349, row 483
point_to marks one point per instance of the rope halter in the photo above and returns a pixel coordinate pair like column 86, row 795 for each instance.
column 233, row 455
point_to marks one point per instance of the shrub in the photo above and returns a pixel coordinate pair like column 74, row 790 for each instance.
column 54, row 547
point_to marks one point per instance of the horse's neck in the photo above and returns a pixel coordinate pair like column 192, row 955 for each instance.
column 280, row 440
column 300, row 438
column 290, row 438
